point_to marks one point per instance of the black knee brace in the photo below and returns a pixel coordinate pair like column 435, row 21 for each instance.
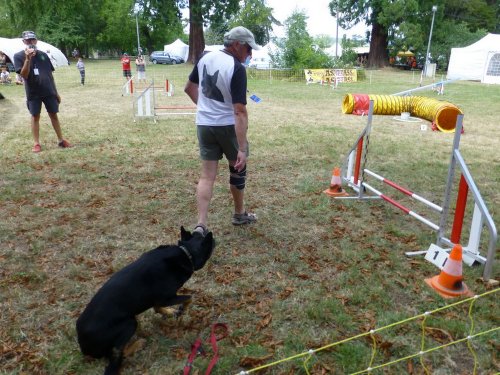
column 238, row 178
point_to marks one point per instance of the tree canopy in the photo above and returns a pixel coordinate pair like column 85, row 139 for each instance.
column 405, row 24
column 297, row 49
column 110, row 25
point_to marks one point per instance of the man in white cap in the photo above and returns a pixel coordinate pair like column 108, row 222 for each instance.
column 218, row 86
column 36, row 69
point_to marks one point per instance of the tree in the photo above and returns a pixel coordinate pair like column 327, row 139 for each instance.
column 159, row 21
column 215, row 13
column 119, row 32
column 258, row 18
column 384, row 17
column 406, row 24
column 297, row 49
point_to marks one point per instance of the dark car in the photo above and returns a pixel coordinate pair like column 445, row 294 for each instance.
column 161, row 57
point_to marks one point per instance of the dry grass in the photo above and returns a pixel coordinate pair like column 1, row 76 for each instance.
column 312, row 271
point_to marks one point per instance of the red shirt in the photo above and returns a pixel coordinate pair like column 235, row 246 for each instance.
column 126, row 63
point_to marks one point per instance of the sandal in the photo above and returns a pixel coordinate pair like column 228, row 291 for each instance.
column 64, row 144
column 244, row 218
column 201, row 229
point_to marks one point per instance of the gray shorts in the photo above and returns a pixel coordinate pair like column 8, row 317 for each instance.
column 216, row 141
column 35, row 105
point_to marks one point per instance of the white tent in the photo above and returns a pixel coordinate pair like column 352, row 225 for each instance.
column 11, row 46
column 334, row 51
column 261, row 58
column 478, row 62
column 177, row 48
column 214, row 47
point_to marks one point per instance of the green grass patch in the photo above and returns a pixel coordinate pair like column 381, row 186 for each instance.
column 311, row 272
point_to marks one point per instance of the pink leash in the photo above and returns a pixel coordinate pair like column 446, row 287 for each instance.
column 197, row 348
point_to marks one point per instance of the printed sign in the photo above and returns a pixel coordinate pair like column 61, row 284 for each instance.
column 436, row 256
column 330, row 75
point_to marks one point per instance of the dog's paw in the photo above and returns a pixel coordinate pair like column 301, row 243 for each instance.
column 166, row 311
column 170, row 312
column 134, row 347
column 179, row 311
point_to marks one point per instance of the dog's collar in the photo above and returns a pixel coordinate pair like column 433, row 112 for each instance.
column 188, row 254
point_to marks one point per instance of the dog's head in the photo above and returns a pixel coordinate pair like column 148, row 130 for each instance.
column 199, row 247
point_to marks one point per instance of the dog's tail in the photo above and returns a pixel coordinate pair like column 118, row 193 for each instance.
column 115, row 362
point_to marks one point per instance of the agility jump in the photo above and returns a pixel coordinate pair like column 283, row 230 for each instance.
column 353, row 172
column 146, row 106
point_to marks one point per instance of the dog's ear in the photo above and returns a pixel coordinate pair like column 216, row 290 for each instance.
column 185, row 235
column 209, row 241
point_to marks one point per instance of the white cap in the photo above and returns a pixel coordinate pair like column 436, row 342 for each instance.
column 241, row 34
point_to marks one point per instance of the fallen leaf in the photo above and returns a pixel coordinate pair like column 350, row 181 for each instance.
column 264, row 322
column 250, row 362
column 440, row 335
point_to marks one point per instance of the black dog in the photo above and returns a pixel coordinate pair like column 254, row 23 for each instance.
column 152, row 281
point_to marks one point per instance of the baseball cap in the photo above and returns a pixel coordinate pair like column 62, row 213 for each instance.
column 28, row 35
column 241, row 34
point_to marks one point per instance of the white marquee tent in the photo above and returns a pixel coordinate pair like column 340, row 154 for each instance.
column 478, row 62
column 261, row 58
column 177, row 48
column 11, row 46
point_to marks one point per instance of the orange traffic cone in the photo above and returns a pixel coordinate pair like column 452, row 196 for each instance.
column 449, row 283
column 335, row 189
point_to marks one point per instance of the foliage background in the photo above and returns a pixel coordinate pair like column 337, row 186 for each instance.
column 109, row 26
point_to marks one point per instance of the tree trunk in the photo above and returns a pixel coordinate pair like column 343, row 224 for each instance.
column 196, row 36
column 378, row 57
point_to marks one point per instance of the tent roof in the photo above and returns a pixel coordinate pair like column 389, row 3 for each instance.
column 361, row 50
column 177, row 43
column 469, row 62
column 11, row 46
column 490, row 42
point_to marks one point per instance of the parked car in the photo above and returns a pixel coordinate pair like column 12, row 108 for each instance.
column 161, row 57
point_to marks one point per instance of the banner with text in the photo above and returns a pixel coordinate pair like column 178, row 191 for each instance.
column 330, row 75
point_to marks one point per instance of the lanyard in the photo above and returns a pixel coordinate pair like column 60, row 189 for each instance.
column 197, row 348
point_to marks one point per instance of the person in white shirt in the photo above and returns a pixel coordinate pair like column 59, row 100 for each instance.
column 81, row 67
column 218, row 86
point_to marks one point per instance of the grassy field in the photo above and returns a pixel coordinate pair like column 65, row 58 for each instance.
column 311, row 272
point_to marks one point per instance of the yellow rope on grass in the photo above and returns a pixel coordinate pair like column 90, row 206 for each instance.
column 374, row 348
column 468, row 338
column 422, row 346
column 471, row 331
column 371, row 332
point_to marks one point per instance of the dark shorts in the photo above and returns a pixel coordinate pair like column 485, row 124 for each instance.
column 35, row 105
column 216, row 141
column 127, row 73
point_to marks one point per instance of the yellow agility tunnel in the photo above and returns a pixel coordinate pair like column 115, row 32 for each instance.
column 443, row 115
